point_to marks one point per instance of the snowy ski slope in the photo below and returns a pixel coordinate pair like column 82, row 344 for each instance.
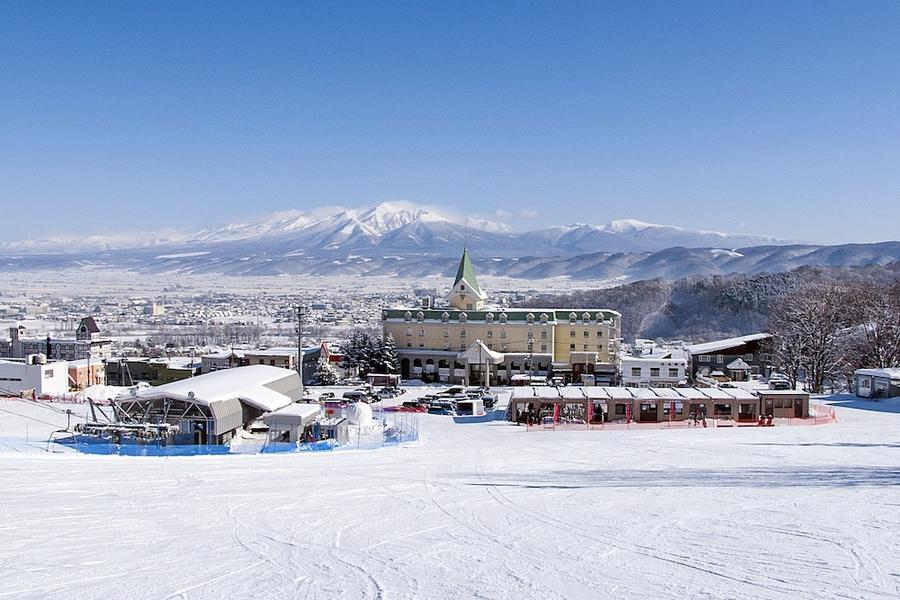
column 483, row 510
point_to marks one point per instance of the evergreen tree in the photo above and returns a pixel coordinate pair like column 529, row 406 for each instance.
column 325, row 375
column 390, row 362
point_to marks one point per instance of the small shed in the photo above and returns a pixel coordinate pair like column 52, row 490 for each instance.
column 470, row 407
column 784, row 403
column 877, row 383
column 293, row 423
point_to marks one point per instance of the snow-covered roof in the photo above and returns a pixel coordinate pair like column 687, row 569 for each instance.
column 668, row 393
column 714, row 393
column 739, row 393
column 522, row 392
column 477, row 353
column 890, row 373
column 595, row 393
column 293, row 414
column 738, row 364
column 725, row 344
column 245, row 383
column 619, row 393
column 572, row 393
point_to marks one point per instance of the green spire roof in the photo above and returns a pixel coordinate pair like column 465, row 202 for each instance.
column 467, row 273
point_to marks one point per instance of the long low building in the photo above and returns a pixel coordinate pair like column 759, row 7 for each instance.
column 603, row 404
column 209, row 409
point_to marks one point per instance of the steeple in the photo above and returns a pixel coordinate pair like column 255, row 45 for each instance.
column 466, row 272
column 466, row 294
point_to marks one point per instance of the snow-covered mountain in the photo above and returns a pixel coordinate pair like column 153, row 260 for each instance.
column 398, row 238
column 400, row 228
column 630, row 235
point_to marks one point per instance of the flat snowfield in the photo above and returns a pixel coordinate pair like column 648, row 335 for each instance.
column 482, row 510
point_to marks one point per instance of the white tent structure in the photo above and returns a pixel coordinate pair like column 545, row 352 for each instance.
column 210, row 408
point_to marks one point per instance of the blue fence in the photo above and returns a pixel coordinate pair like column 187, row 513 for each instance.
column 394, row 429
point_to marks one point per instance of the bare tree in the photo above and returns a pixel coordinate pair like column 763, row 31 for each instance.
column 879, row 314
column 809, row 326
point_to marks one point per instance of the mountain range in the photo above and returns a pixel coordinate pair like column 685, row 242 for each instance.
column 399, row 238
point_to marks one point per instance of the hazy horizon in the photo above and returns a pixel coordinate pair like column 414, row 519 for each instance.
column 758, row 118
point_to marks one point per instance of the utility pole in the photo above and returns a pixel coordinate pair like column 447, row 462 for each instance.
column 301, row 321
column 530, row 360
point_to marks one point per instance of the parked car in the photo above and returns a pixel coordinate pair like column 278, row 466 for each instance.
column 452, row 391
column 489, row 400
column 326, row 395
column 356, row 396
column 441, row 408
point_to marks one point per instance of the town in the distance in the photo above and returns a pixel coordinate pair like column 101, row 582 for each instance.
column 270, row 371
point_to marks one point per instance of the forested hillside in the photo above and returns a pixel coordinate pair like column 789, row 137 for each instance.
column 702, row 308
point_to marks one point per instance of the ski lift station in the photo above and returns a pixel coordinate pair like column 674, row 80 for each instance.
column 210, row 408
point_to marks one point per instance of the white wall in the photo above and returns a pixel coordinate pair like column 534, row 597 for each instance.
column 51, row 378
column 645, row 364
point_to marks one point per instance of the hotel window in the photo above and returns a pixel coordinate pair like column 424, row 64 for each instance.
column 543, row 318
column 445, row 317
column 503, row 347
column 530, row 335
column 420, row 316
column 748, row 357
column 673, row 372
column 490, row 346
column 720, row 359
column 572, row 318
column 572, row 333
column 462, row 346
column 635, row 371
column 446, row 345
column 503, row 318
column 585, row 347
column 587, row 333
column 654, row 371
column 421, row 344
column 600, row 347
column 543, row 347
column 502, row 334
column 489, row 318
column 408, row 331
column 543, row 335
column 446, row 332
column 571, row 346
column 409, row 344
column 704, row 358
column 530, row 318
column 586, row 317
column 463, row 317
column 490, row 333
column 599, row 333
column 462, row 333
column 407, row 316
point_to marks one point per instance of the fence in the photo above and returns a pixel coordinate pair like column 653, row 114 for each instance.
column 819, row 414
column 389, row 429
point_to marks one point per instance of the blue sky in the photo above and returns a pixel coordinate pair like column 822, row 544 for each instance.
column 778, row 118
